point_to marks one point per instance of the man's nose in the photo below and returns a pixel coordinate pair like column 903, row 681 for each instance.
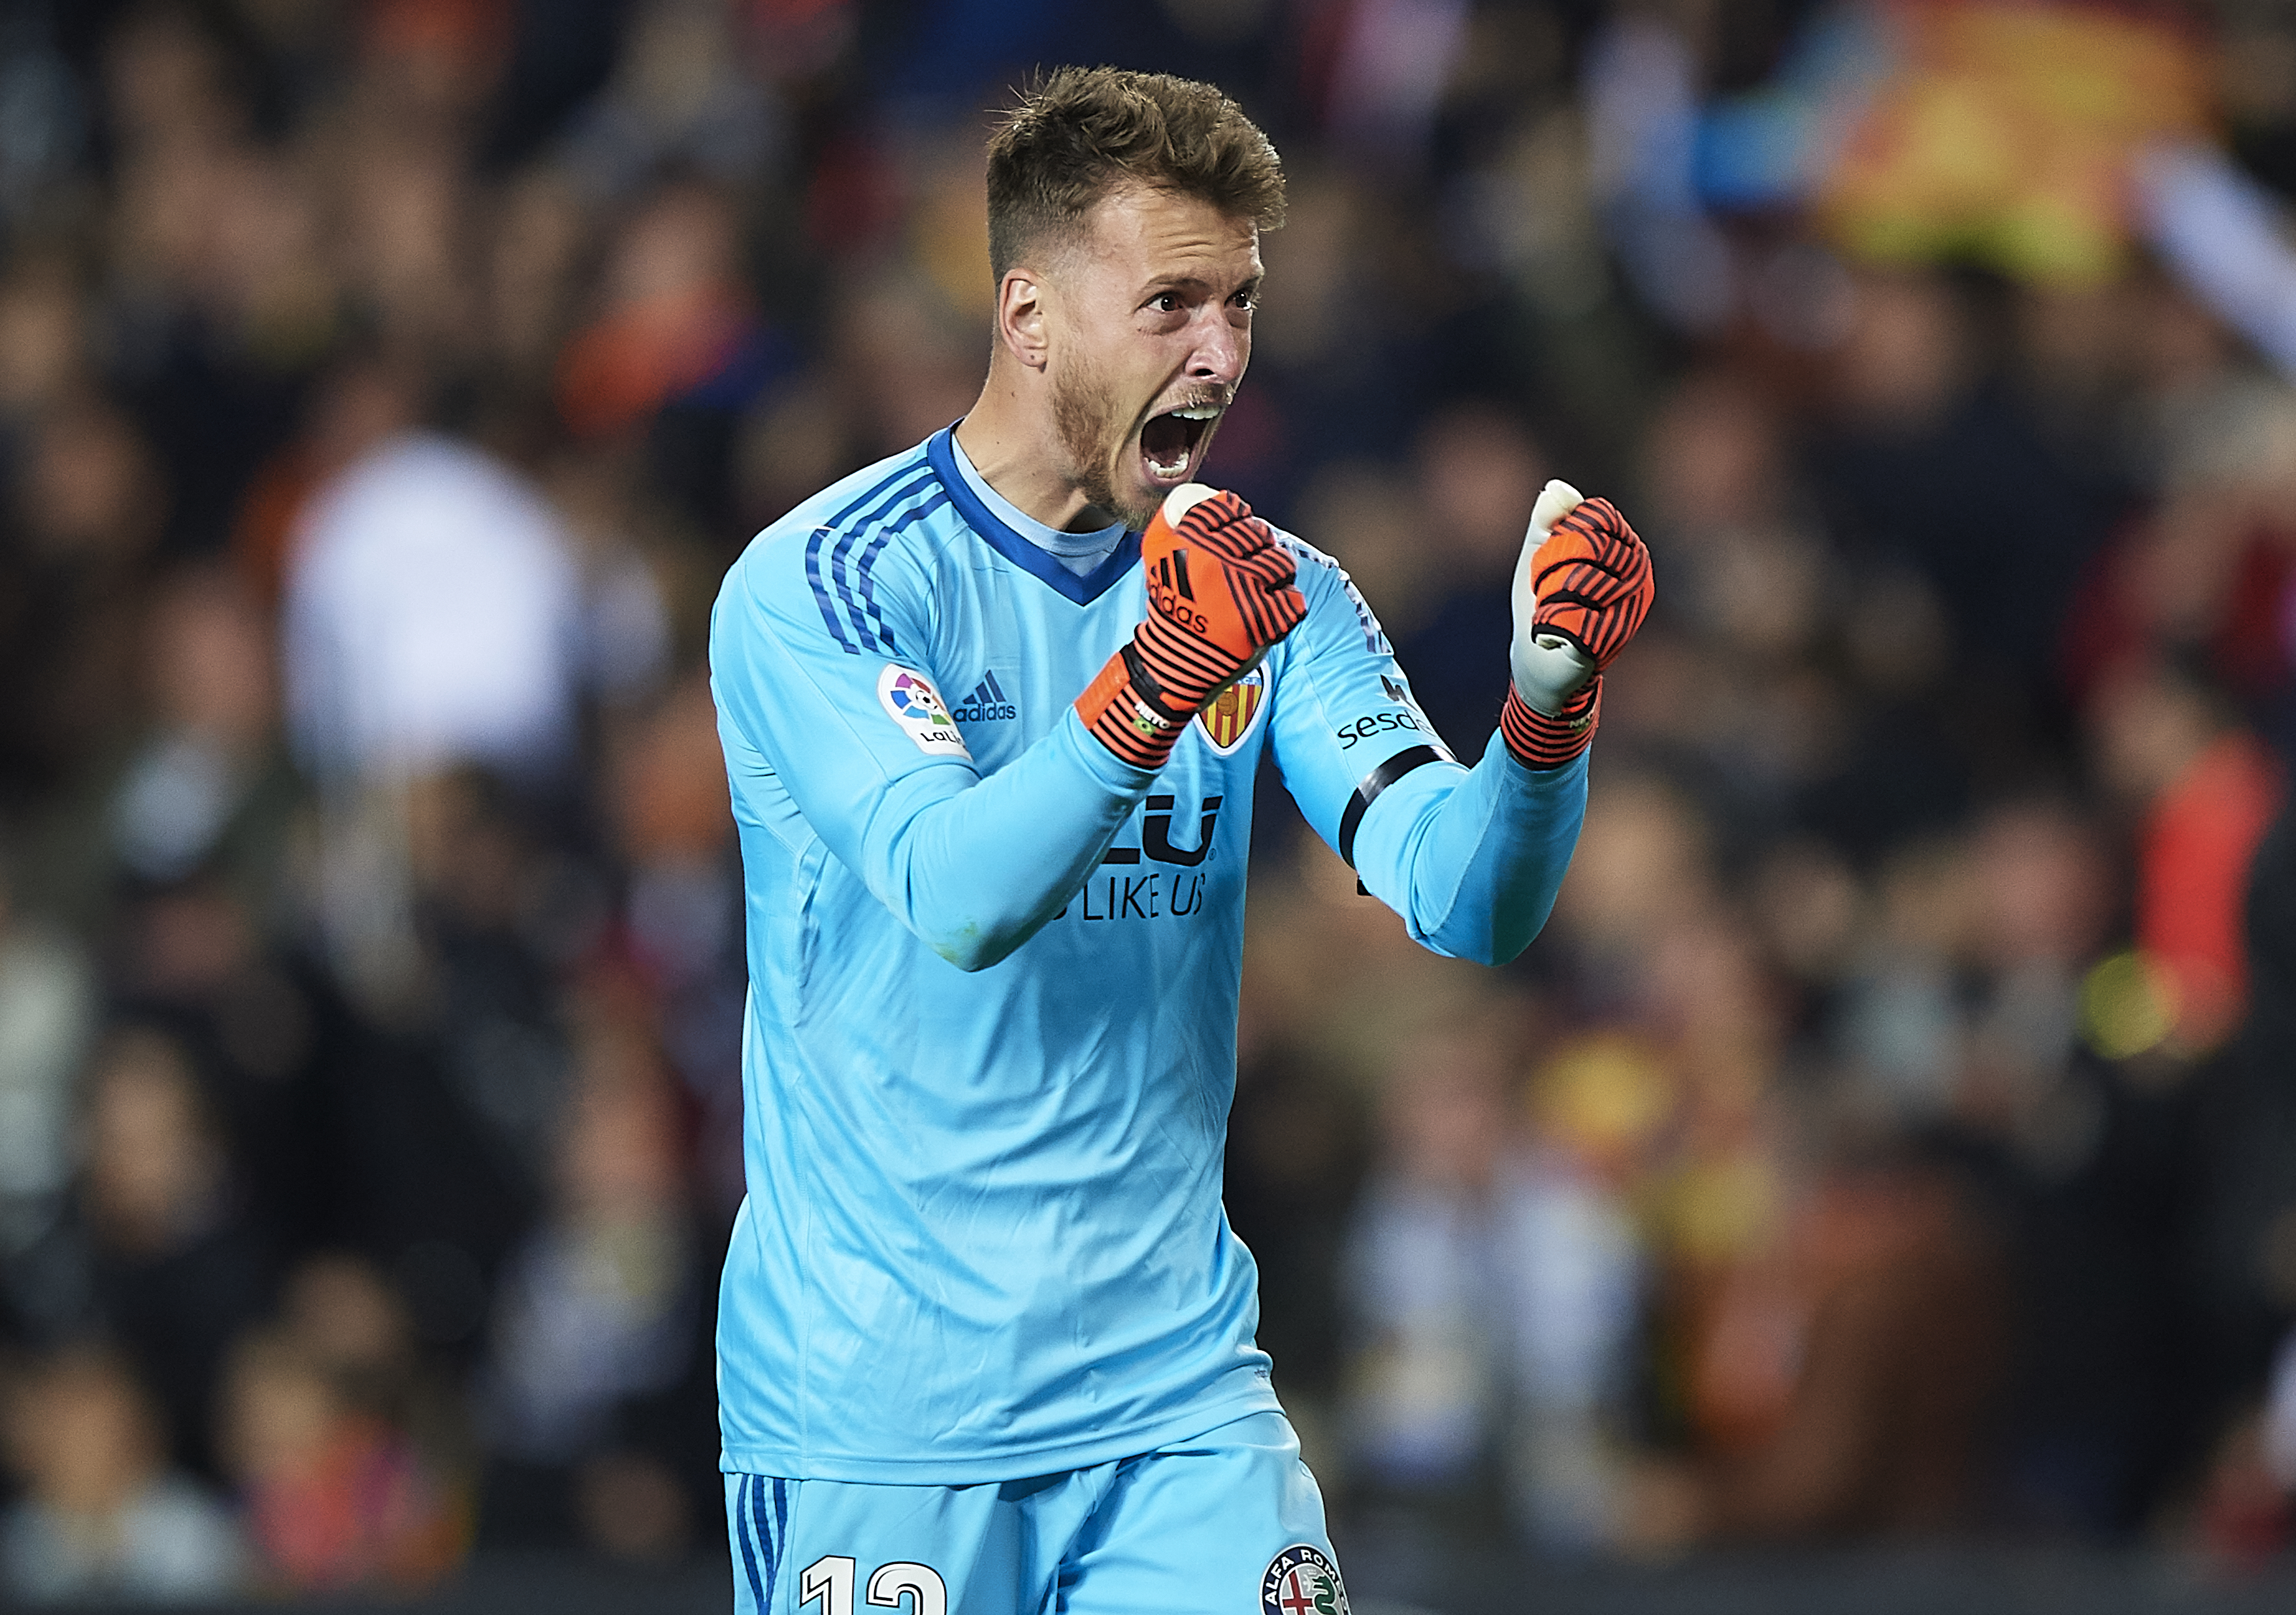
column 1220, row 351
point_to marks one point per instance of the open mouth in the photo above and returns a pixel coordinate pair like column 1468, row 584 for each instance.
column 1170, row 441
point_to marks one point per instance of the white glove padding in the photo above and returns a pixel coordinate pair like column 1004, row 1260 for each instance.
column 1547, row 669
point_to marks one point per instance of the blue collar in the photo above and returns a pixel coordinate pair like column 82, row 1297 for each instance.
column 1012, row 545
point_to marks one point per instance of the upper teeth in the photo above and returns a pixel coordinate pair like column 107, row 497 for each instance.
column 1196, row 413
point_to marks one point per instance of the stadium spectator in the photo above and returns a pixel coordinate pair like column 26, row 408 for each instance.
column 681, row 913
column 175, row 1268
column 104, row 1516
column 2207, row 790
column 2243, row 1165
column 1478, row 472
column 431, row 618
column 600, row 1341
column 334, row 1497
column 1493, row 1285
column 47, row 1018
column 357, row 1328
column 1884, row 1341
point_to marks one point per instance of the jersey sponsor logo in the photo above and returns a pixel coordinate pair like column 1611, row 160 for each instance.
column 1156, row 834
column 1159, row 894
column 986, row 703
column 1301, row 1580
column 1379, row 723
column 910, row 700
column 1228, row 720
column 1412, row 717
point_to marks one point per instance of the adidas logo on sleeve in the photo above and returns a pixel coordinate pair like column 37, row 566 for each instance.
column 986, row 702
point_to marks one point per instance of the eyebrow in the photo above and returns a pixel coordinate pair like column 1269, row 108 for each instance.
column 1197, row 282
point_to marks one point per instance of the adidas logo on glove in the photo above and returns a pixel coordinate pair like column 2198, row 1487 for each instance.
column 986, row 702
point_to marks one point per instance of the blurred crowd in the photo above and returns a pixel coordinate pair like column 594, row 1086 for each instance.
column 1894, row 1132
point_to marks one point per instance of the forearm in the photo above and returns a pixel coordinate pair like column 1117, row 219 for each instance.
column 1472, row 859
column 976, row 872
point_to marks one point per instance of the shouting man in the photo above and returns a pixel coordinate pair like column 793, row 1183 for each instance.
column 992, row 711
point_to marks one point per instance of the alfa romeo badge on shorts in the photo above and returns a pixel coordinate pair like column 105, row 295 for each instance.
column 1301, row 1580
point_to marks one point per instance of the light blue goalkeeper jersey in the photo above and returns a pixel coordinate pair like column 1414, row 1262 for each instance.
column 990, row 1043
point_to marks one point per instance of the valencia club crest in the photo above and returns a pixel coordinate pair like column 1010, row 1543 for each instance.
column 1227, row 719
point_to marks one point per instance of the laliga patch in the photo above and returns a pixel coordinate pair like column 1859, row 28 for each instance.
column 1302, row 1581
column 1228, row 720
column 910, row 700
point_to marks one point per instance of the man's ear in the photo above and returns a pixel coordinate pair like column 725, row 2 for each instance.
column 1020, row 317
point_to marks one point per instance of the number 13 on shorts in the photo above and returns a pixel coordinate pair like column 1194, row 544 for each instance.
column 829, row 1578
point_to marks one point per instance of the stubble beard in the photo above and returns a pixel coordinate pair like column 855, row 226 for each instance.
column 1084, row 416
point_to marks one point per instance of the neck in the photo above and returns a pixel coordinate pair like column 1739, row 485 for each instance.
column 1013, row 441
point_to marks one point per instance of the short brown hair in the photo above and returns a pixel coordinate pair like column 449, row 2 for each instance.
column 1085, row 132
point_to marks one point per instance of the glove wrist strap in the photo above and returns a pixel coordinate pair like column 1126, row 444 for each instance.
column 1543, row 743
column 1127, row 711
column 1149, row 690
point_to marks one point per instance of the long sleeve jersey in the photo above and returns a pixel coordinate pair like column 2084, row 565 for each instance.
column 991, row 1039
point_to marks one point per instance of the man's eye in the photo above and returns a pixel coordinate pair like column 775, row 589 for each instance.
column 1165, row 302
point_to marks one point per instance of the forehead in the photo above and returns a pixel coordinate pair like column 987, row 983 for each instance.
column 1142, row 234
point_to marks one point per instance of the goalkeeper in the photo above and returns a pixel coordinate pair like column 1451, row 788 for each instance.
column 985, row 1338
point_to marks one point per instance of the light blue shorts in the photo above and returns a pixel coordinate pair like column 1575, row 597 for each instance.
column 1227, row 1523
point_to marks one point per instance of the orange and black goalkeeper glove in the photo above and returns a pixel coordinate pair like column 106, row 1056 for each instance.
column 1582, row 588
column 1220, row 592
